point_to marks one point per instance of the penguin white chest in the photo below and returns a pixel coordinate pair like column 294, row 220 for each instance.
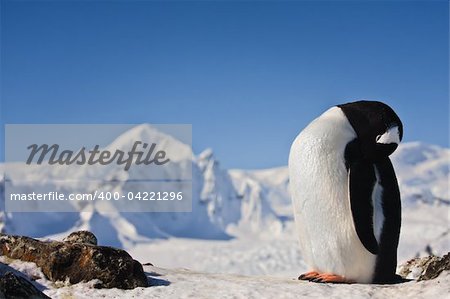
column 320, row 193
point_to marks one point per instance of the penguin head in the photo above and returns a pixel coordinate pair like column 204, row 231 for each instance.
column 378, row 128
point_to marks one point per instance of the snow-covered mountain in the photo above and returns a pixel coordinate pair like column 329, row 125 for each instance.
column 216, row 203
column 226, row 203
column 423, row 172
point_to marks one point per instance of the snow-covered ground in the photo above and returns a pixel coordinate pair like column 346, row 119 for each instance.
column 280, row 255
column 183, row 283
column 242, row 224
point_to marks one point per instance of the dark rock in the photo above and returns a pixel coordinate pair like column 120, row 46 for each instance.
column 114, row 268
column 435, row 267
column 425, row 268
column 14, row 286
column 82, row 236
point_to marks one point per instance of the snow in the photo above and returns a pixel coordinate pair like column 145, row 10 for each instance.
column 279, row 255
column 423, row 172
column 245, row 256
column 183, row 283
column 241, row 226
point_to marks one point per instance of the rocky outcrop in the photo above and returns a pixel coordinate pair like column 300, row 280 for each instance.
column 82, row 236
column 14, row 286
column 425, row 268
column 77, row 259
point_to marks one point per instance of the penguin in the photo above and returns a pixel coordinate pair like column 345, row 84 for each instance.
column 345, row 194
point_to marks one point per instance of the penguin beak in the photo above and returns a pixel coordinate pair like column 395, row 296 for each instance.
column 391, row 136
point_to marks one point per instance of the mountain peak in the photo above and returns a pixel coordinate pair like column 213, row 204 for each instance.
column 207, row 154
column 151, row 134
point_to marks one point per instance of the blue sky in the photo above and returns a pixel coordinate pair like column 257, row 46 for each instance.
column 248, row 75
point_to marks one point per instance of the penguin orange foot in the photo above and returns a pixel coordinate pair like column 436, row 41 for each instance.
column 330, row 278
column 323, row 277
column 309, row 275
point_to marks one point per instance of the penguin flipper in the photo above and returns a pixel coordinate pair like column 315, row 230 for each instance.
column 387, row 256
column 361, row 179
